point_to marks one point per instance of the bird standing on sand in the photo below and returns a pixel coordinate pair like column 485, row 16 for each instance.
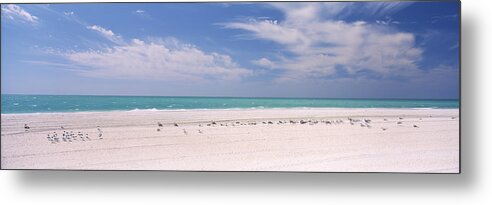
column 26, row 127
column 200, row 131
column 415, row 126
column 176, row 125
column 100, row 133
column 159, row 124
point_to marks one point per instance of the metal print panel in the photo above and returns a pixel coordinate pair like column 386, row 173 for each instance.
column 232, row 86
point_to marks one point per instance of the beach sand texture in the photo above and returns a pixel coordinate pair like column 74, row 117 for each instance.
column 396, row 140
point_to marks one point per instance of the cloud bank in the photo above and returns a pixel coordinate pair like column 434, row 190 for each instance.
column 158, row 59
column 316, row 45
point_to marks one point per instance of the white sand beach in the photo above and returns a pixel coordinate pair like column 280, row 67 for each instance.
column 374, row 140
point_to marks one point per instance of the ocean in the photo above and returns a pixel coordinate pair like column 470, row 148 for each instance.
column 84, row 103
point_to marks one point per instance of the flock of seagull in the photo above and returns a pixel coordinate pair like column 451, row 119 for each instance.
column 68, row 136
column 361, row 122
column 71, row 136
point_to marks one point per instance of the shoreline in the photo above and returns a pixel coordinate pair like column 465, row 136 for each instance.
column 307, row 140
column 228, row 109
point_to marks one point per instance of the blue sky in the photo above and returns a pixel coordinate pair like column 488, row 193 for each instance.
column 323, row 49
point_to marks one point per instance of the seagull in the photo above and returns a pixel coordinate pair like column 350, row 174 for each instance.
column 159, row 124
column 399, row 123
column 415, row 126
column 384, row 129
column 176, row 125
column 200, row 131
column 26, row 127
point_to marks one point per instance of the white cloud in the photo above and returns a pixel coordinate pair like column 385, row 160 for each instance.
column 387, row 21
column 68, row 13
column 139, row 11
column 159, row 60
column 15, row 12
column 382, row 8
column 106, row 33
column 316, row 46
column 302, row 11
column 264, row 62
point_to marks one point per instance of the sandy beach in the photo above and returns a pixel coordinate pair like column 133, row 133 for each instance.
column 318, row 140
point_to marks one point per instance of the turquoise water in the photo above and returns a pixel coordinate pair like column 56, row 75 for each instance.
column 80, row 103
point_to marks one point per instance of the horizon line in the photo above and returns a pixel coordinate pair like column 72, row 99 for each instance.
column 199, row 96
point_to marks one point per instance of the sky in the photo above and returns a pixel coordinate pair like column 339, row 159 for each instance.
column 296, row 49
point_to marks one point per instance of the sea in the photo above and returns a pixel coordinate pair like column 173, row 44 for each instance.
column 86, row 103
